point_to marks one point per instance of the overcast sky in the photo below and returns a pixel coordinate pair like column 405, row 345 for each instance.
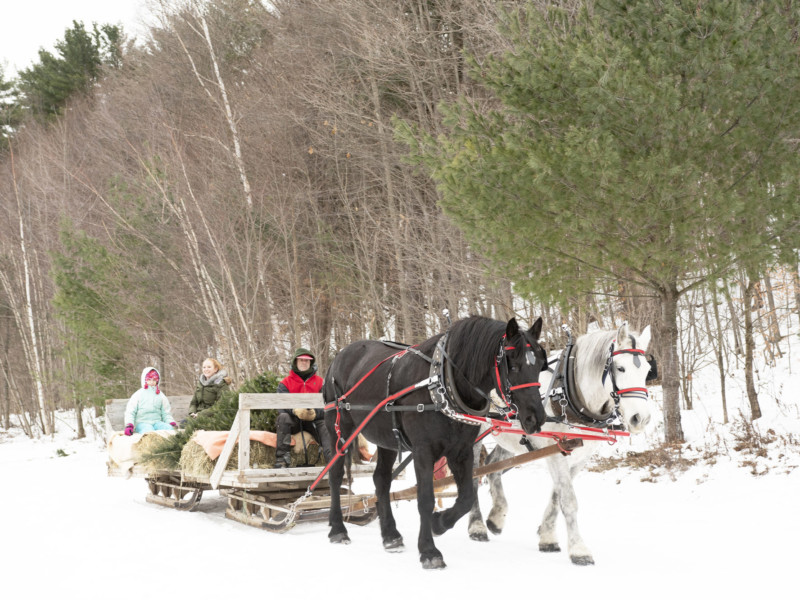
column 27, row 25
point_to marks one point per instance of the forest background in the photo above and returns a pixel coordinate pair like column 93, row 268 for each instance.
column 250, row 179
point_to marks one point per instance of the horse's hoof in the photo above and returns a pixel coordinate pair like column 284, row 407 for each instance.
column 549, row 548
column 436, row 562
column 339, row 538
column 582, row 561
column 395, row 545
column 479, row 536
column 437, row 528
column 494, row 528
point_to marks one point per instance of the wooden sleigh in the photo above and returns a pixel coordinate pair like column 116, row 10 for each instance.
column 273, row 499
column 263, row 498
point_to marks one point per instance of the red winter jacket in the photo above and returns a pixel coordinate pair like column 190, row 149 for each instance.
column 294, row 384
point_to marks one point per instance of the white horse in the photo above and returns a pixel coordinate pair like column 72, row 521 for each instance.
column 606, row 382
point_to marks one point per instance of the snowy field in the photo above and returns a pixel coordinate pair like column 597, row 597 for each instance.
column 727, row 525
column 72, row 532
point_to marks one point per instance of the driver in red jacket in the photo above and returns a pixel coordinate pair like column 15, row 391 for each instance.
column 302, row 379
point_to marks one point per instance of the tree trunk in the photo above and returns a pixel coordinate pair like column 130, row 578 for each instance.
column 749, row 344
column 673, row 431
column 4, row 384
column 33, row 353
column 718, row 350
column 773, row 342
column 737, row 349
column 796, row 284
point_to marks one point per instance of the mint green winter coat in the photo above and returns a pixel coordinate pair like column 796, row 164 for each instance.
column 145, row 406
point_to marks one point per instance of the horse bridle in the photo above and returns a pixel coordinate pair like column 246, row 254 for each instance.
column 566, row 399
column 616, row 392
column 503, row 385
column 444, row 393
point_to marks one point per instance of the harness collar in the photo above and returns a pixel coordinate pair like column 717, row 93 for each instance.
column 568, row 400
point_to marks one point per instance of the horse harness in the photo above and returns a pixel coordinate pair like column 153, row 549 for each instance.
column 562, row 389
column 441, row 388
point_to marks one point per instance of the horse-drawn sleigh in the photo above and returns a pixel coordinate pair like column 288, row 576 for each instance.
column 260, row 497
column 431, row 400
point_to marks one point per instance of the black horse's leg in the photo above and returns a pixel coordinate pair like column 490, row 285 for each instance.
column 460, row 463
column 338, row 532
column 382, row 477
column 476, row 528
column 429, row 555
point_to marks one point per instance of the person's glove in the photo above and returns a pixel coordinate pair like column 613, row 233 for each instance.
column 129, row 429
column 174, row 424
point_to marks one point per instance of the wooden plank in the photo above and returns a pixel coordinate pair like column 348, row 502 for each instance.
column 227, row 450
column 244, row 440
column 280, row 401
column 439, row 484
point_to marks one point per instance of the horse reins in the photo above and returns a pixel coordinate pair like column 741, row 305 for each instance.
column 436, row 385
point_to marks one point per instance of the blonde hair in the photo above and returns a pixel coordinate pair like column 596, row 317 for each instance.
column 214, row 362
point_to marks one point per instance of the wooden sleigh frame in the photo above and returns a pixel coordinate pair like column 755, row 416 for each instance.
column 263, row 498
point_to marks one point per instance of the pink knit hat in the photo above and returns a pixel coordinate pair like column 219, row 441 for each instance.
column 152, row 374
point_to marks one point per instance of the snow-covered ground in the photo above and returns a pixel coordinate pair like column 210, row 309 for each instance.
column 71, row 531
column 727, row 524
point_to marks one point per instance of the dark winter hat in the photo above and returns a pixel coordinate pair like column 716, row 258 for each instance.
column 303, row 353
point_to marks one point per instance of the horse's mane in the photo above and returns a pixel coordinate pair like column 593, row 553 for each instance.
column 591, row 354
column 473, row 343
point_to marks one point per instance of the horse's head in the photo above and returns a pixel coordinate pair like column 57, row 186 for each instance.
column 524, row 359
column 626, row 373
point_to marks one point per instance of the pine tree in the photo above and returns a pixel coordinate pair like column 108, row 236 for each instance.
column 85, row 300
column 653, row 143
column 10, row 112
column 77, row 65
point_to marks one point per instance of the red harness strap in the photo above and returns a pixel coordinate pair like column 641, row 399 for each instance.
column 340, row 451
column 513, row 387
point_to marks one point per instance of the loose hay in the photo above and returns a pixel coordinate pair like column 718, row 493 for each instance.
column 196, row 462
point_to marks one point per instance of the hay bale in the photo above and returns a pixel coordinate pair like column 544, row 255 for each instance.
column 150, row 450
column 194, row 460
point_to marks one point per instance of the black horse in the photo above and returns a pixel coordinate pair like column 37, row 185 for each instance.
column 476, row 357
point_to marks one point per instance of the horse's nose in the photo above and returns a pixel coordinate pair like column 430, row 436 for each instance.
column 533, row 423
column 639, row 422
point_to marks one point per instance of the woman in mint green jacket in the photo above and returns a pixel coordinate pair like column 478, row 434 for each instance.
column 148, row 409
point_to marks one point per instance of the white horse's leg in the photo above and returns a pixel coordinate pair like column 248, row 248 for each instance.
column 563, row 498
column 497, row 516
column 476, row 529
column 548, row 541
